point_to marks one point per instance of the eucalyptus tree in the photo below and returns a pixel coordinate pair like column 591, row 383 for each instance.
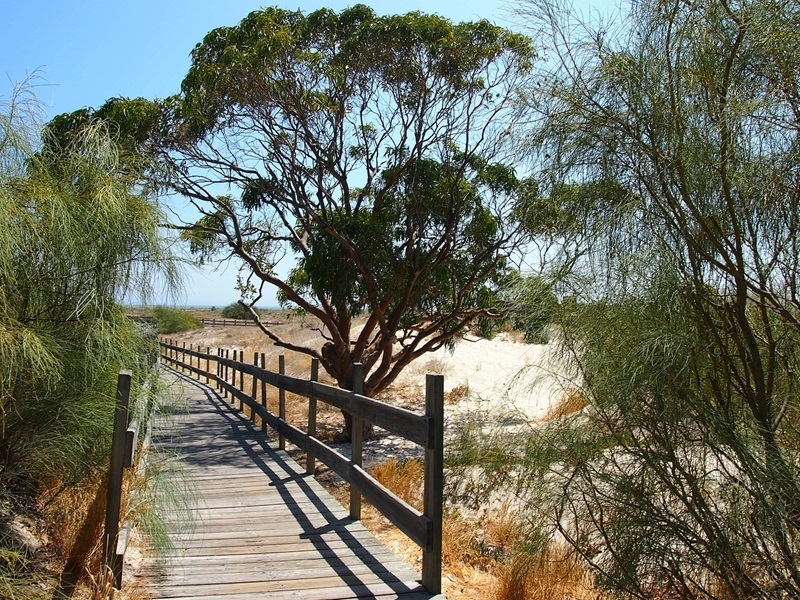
column 371, row 150
column 669, row 146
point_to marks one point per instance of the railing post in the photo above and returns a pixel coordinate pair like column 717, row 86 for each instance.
column 208, row 360
column 114, row 494
column 254, row 395
column 233, row 377
column 191, row 362
column 311, row 461
column 281, row 401
column 219, row 368
column 183, row 357
column 433, row 496
column 225, row 376
column 263, row 393
column 241, row 379
column 357, row 437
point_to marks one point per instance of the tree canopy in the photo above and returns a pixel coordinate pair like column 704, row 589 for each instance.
column 372, row 150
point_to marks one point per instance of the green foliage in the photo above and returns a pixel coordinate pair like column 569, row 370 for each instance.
column 78, row 235
column 237, row 311
column 433, row 202
column 173, row 320
column 18, row 581
column 670, row 144
column 530, row 307
column 373, row 149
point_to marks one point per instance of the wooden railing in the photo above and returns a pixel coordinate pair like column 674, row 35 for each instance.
column 228, row 322
column 427, row 430
column 123, row 455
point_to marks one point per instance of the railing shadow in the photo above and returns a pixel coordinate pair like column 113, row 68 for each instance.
column 240, row 445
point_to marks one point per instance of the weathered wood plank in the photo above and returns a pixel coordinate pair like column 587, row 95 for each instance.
column 272, row 586
column 262, row 527
column 325, row 594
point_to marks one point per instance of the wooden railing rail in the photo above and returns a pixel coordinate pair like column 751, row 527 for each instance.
column 232, row 322
column 426, row 430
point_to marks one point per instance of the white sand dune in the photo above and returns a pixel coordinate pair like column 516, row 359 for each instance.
column 500, row 375
column 497, row 376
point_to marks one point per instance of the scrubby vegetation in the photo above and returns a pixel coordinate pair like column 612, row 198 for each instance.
column 238, row 311
column 173, row 320
column 661, row 195
column 670, row 147
column 77, row 235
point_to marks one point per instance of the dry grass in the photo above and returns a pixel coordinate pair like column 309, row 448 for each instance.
column 571, row 402
column 458, row 393
column 404, row 478
column 553, row 574
column 483, row 556
column 77, row 516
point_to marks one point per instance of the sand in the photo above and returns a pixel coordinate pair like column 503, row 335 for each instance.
column 498, row 375
column 492, row 379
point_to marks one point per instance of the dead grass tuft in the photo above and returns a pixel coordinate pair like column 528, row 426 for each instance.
column 458, row 393
column 502, row 530
column 77, row 516
column 571, row 402
column 553, row 574
column 403, row 477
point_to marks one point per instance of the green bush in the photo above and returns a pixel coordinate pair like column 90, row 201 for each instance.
column 173, row 320
column 79, row 232
column 237, row 311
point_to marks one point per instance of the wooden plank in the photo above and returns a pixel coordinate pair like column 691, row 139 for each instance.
column 262, row 527
column 298, row 585
column 352, row 593
column 185, row 563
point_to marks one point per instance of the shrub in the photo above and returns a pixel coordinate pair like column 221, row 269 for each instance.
column 172, row 320
column 237, row 311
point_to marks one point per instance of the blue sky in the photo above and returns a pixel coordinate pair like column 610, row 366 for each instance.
column 87, row 51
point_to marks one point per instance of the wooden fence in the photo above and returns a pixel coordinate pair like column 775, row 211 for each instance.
column 228, row 323
column 123, row 455
column 427, row 430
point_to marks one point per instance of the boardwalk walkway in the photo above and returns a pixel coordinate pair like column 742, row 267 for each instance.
column 261, row 527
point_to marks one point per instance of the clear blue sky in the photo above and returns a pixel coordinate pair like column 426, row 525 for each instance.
column 88, row 51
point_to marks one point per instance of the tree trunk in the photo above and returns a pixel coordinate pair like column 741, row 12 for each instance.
column 340, row 364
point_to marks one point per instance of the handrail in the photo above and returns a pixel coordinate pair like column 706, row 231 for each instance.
column 423, row 528
column 125, row 438
column 232, row 322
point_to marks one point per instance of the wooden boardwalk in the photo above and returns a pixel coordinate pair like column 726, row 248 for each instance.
column 262, row 528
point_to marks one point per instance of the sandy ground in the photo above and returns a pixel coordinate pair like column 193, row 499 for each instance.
column 499, row 376
column 501, row 380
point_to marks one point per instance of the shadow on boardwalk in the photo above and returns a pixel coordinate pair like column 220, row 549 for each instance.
column 261, row 527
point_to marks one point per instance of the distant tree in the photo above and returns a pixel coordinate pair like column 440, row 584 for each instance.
column 235, row 310
column 373, row 151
